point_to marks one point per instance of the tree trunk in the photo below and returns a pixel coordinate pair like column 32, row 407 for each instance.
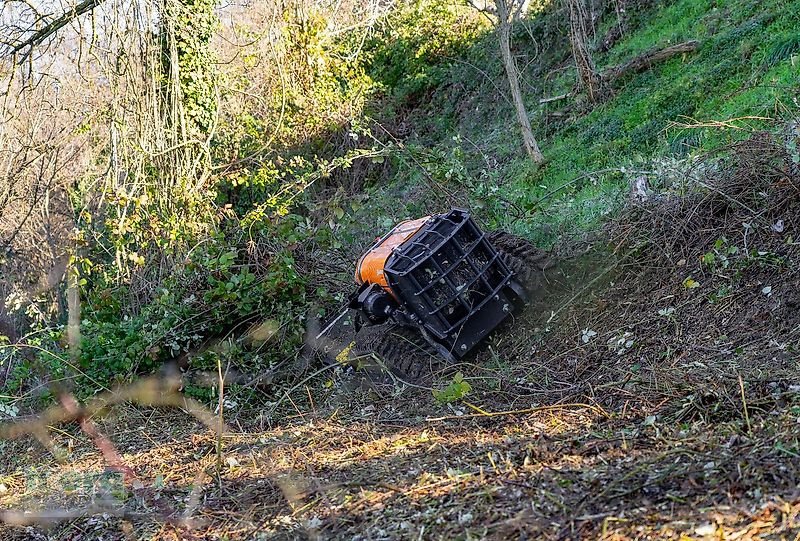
column 647, row 59
column 617, row 31
column 504, row 29
column 588, row 77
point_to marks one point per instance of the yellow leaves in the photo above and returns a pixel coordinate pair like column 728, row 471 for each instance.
column 691, row 283
column 344, row 355
column 123, row 199
column 135, row 258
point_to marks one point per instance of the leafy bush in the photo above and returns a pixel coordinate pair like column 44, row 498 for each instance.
column 414, row 49
column 220, row 286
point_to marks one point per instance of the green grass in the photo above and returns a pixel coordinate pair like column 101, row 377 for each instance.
column 748, row 65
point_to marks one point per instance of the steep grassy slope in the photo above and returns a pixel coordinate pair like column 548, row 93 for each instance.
column 747, row 66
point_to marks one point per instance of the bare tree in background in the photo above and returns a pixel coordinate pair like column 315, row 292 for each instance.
column 41, row 156
column 98, row 113
column 128, row 77
column 503, row 13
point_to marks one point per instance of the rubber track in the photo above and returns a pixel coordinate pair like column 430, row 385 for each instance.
column 402, row 349
column 521, row 256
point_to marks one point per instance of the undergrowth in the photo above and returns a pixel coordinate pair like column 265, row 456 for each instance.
column 408, row 119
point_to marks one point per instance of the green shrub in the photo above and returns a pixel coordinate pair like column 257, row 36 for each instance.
column 414, row 49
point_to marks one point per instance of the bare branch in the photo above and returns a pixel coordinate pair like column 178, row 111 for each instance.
column 52, row 27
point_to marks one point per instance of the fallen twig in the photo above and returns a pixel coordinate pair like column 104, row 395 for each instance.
column 555, row 98
column 149, row 392
column 104, row 445
column 483, row 413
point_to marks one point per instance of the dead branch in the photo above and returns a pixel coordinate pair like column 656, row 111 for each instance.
column 555, row 407
column 110, row 454
column 588, row 77
column 153, row 391
column 730, row 123
column 646, row 60
column 555, row 98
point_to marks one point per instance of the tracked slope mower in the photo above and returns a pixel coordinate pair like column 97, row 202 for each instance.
column 434, row 288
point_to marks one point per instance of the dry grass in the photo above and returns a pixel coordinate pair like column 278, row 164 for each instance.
column 378, row 474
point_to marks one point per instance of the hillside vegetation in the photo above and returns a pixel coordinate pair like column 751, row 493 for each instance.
column 184, row 206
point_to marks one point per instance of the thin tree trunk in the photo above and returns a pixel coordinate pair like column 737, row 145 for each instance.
column 617, row 31
column 504, row 29
column 588, row 76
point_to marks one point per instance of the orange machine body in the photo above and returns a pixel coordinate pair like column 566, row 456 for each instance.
column 370, row 266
